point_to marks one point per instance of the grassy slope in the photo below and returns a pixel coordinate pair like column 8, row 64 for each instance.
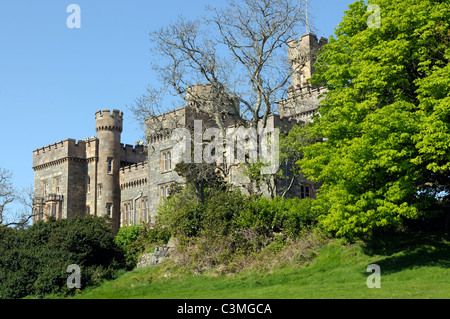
column 411, row 267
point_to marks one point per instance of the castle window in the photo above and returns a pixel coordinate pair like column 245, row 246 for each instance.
column 55, row 209
column 166, row 160
column 88, row 184
column 45, row 188
column 110, row 164
column 57, row 185
column 164, row 191
column 304, row 191
column 99, row 190
column 109, row 209
column 125, row 214
column 146, row 217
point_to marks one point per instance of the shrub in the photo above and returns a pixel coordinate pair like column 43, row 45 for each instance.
column 182, row 214
column 34, row 261
column 136, row 240
column 266, row 215
column 229, row 225
column 127, row 235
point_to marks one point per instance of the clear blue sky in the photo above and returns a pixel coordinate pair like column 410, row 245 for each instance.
column 53, row 79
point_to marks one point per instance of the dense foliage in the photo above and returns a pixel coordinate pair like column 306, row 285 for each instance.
column 34, row 261
column 229, row 224
column 136, row 240
column 224, row 212
column 386, row 118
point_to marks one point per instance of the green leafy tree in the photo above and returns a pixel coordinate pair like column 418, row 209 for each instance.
column 291, row 151
column 385, row 116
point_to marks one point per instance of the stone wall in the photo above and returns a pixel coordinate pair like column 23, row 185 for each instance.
column 76, row 195
column 134, row 194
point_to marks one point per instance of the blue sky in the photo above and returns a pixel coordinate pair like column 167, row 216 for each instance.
column 53, row 79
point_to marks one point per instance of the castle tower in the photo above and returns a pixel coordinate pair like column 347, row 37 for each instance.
column 109, row 128
column 302, row 99
column 303, row 54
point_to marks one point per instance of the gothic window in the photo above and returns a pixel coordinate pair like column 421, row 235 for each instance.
column 305, row 191
column 166, row 161
column 164, row 191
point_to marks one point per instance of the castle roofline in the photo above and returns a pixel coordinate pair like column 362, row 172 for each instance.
column 61, row 143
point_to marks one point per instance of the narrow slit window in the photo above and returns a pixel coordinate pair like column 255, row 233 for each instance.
column 110, row 164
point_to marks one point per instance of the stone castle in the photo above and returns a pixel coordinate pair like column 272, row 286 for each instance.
column 101, row 176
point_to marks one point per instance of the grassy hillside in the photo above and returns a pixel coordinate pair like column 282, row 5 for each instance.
column 412, row 266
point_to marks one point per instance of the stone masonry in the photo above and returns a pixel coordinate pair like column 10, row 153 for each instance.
column 101, row 176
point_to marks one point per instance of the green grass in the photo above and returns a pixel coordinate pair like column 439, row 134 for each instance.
column 413, row 266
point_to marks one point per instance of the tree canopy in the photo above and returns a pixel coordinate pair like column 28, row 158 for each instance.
column 385, row 117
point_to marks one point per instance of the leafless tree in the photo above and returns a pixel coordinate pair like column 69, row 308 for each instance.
column 239, row 52
column 9, row 195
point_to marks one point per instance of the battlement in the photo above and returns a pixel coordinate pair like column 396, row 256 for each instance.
column 302, row 54
column 199, row 91
column 61, row 150
column 302, row 102
column 134, row 167
column 199, row 94
column 162, row 125
column 107, row 120
column 107, row 113
column 134, row 175
column 129, row 149
column 307, row 43
column 133, row 154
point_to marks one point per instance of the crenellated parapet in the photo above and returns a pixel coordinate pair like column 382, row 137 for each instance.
column 59, row 152
column 105, row 120
column 134, row 175
column 302, row 99
column 160, row 127
column 302, row 54
column 133, row 154
column 207, row 98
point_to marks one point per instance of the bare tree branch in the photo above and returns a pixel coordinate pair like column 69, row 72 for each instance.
column 8, row 195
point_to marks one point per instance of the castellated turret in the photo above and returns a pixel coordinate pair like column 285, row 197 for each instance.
column 109, row 128
column 302, row 99
column 303, row 54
